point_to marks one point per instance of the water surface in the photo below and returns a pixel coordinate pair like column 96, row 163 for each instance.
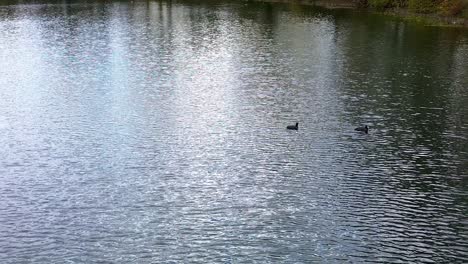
column 154, row 132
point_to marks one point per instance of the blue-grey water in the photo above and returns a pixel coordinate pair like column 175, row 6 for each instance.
column 154, row 132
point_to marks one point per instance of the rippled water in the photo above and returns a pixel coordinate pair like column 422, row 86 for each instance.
column 154, row 132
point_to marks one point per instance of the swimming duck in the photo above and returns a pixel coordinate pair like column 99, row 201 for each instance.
column 364, row 129
column 293, row 127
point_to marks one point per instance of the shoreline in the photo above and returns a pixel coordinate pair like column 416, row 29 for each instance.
column 430, row 19
column 403, row 13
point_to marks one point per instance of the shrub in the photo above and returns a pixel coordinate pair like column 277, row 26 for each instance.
column 423, row 6
column 361, row 3
column 381, row 4
column 451, row 7
column 400, row 3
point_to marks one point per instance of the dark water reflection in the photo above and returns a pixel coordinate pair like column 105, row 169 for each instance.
column 155, row 132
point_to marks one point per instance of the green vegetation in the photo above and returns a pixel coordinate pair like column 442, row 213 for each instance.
column 452, row 7
column 385, row 4
column 441, row 7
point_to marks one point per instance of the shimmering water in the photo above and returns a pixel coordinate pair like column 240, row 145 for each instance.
column 151, row 132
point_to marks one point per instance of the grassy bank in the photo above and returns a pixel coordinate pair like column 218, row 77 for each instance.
column 430, row 18
column 433, row 12
column 447, row 12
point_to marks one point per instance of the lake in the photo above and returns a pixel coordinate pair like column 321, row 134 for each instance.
column 155, row 132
